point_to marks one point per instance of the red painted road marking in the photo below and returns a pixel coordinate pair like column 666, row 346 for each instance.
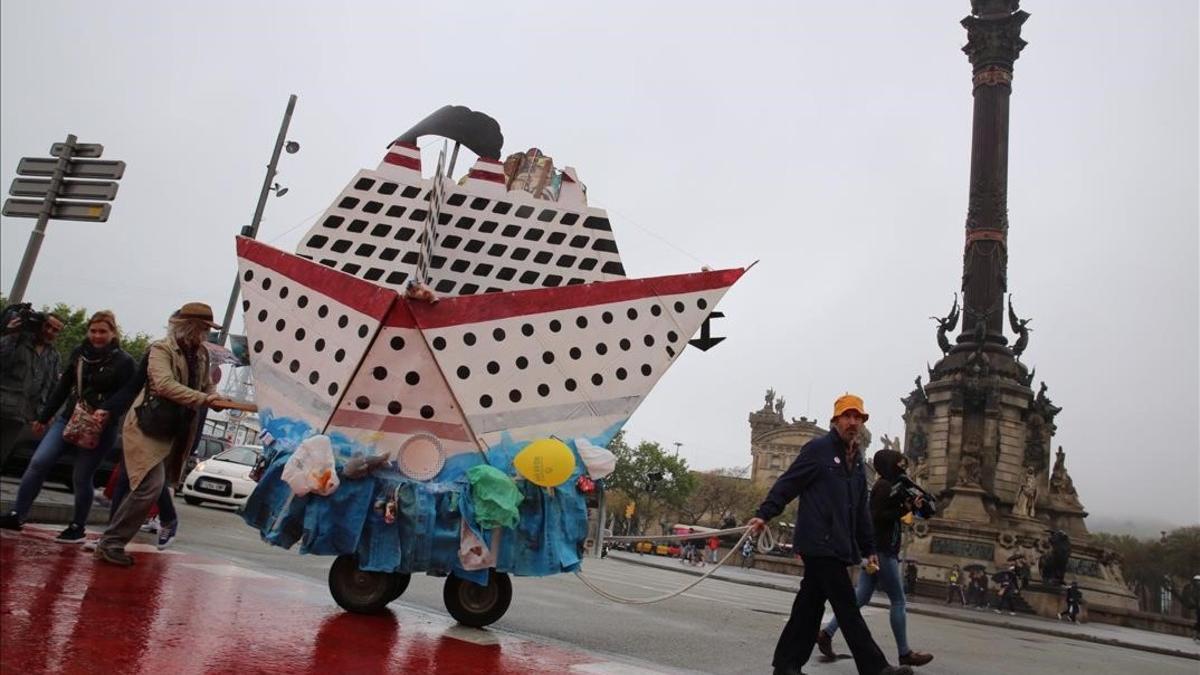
column 61, row 611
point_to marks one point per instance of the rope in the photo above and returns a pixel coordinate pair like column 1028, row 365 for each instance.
column 766, row 542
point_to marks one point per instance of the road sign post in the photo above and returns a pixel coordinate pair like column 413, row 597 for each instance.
column 44, row 195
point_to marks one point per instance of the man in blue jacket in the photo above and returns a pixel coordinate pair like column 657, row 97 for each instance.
column 833, row 531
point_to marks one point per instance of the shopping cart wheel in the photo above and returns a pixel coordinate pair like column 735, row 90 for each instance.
column 358, row 591
column 474, row 605
column 399, row 584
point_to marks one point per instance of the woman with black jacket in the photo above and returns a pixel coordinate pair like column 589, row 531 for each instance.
column 888, row 509
column 96, row 371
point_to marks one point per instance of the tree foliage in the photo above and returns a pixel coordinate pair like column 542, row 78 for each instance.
column 1150, row 565
column 656, row 482
column 721, row 494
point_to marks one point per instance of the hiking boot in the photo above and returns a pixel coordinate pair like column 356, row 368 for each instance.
column 166, row 534
column 825, row 644
column 74, row 534
column 9, row 521
column 896, row 670
column 915, row 658
column 114, row 557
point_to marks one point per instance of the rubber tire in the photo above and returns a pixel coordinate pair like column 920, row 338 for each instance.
column 194, row 501
column 473, row 605
column 399, row 584
column 357, row 591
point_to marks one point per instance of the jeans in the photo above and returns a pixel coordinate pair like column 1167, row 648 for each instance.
column 826, row 579
column 166, row 505
column 889, row 576
column 46, row 456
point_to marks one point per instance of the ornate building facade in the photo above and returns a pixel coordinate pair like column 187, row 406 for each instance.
column 775, row 441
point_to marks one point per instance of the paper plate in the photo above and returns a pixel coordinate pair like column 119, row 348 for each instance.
column 421, row 457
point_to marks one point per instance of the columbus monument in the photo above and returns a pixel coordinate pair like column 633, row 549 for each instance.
column 977, row 433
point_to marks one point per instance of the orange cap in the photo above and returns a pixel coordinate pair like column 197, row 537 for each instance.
column 849, row 402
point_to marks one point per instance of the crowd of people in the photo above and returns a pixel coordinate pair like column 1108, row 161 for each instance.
column 81, row 409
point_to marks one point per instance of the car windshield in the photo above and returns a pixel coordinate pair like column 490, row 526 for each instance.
column 246, row 456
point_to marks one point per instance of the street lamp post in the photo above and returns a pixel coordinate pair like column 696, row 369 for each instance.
column 252, row 230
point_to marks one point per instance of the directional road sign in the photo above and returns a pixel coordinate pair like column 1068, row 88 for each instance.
column 81, row 149
column 68, row 189
column 32, row 208
column 76, row 168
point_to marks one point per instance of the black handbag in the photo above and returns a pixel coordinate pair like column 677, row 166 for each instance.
column 158, row 417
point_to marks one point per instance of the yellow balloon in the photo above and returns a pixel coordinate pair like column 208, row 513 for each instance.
column 547, row 462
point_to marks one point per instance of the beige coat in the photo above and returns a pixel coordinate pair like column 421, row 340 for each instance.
column 167, row 375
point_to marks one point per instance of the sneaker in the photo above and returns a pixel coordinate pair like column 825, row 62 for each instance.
column 166, row 535
column 74, row 534
column 1012, row 613
column 90, row 544
column 915, row 658
column 9, row 521
column 997, row 611
column 114, row 557
column 825, row 644
column 151, row 525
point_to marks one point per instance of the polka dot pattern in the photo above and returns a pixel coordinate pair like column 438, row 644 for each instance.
column 520, row 371
column 302, row 355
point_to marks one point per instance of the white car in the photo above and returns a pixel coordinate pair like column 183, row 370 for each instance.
column 224, row 478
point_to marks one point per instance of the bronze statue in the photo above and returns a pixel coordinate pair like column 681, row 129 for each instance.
column 945, row 325
column 1054, row 562
column 1020, row 327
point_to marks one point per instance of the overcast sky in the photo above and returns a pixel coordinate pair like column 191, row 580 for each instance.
column 830, row 141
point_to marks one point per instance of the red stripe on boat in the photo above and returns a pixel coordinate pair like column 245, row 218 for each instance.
column 413, row 163
column 486, row 175
column 493, row 306
column 394, row 424
column 364, row 296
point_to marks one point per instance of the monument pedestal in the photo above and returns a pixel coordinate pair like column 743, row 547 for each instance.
column 966, row 504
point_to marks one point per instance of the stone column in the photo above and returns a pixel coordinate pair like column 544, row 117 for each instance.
column 993, row 44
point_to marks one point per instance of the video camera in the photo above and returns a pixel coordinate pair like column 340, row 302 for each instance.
column 905, row 487
column 29, row 320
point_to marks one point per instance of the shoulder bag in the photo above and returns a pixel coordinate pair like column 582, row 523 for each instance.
column 158, row 417
column 82, row 430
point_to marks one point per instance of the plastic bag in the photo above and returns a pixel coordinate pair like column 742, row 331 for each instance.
column 311, row 468
column 494, row 496
column 473, row 552
column 599, row 461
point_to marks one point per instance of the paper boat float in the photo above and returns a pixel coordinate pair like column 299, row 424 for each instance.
column 537, row 335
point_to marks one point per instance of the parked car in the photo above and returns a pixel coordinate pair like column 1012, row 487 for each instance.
column 224, row 478
column 206, row 448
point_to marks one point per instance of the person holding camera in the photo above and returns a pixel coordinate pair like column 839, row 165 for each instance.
column 29, row 366
column 892, row 502
column 159, row 432
column 96, row 370
column 833, row 530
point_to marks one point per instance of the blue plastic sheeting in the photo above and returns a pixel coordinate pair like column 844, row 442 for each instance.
column 429, row 515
